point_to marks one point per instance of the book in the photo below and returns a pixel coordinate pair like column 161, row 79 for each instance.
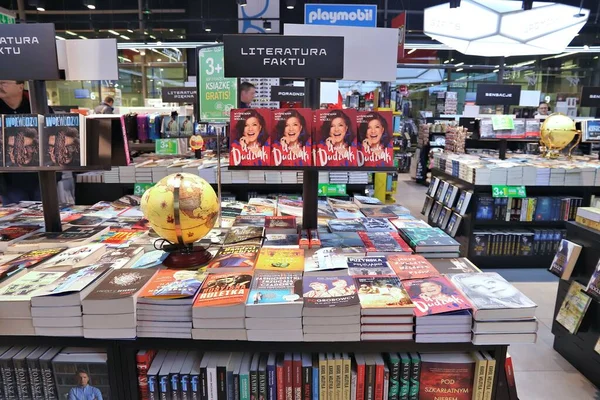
column 454, row 266
column 74, row 257
column 364, row 202
column 434, row 295
column 234, row 259
column 375, row 138
column 377, row 225
column 401, row 223
column 453, row 224
column 250, row 142
column 70, row 237
column 16, row 293
column 247, row 235
column 345, row 225
column 13, row 233
column 329, row 291
column 364, row 266
column 480, row 375
column 411, row 266
column 335, row 138
column 62, row 142
column 493, row 298
column 330, row 258
column 381, row 243
column 121, row 257
column 150, row 259
column 27, row 260
column 341, row 240
column 385, row 292
column 280, row 259
column 424, row 240
column 22, row 140
column 282, row 240
column 446, row 373
column 573, row 308
column 291, row 136
column 565, row 259
column 281, row 225
column 170, row 286
column 223, row 296
column 271, row 290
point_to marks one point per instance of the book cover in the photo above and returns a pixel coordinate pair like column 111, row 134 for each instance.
column 367, row 202
column 573, row 308
column 434, row 295
column 172, row 284
column 544, row 209
column 120, row 237
column 593, row 286
column 411, row 266
column 409, row 223
column 489, row 290
column 428, row 237
column 259, row 210
column 382, row 292
column 28, row 284
column 250, row 142
column 120, row 257
column 335, row 138
column 375, row 139
column 224, row 290
column 485, row 208
column 281, row 240
column 377, row 225
column 364, row 266
column 86, row 220
column 275, row 288
column 71, row 368
column 345, row 225
column 74, row 280
column 480, row 243
column 21, row 140
column 329, row 291
column 242, row 257
column 565, row 259
column 275, row 224
column 453, row 224
column 341, row 239
column 330, row 258
column 61, row 140
column 384, row 242
column 248, row 235
column 449, row 375
column 14, row 232
column 455, row 266
column 28, row 260
column 344, row 209
column 72, row 257
column 292, row 137
column 378, row 212
column 120, row 284
column 150, row 259
column 280, row 259
column 250, row 220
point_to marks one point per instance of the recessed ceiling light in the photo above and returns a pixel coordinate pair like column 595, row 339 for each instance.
column 125, row 37
column 113, row 32
column 159, row 43
column 170, row 30
column 460, row 63
column 130, row 30
column 458, row 70
column 60, row 37
column 70, row 33
column 152, row 37
column 411, row 51
column 82, row 37
column 136, row 50
column 159, row 59
column 41, row 9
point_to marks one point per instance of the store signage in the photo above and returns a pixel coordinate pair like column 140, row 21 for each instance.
column 341, row 15
column 166, row 146
column 217, row 95
column 266, row 56
column 287, row 93
column 179, row 95
column 590, row 96
column 591, row 130
column 331, row 189
column 494, row 94
column 28, row 52
column 399, row 21
column 502, row 122
column 140, row 188
column 6, row 16
column 509, row 191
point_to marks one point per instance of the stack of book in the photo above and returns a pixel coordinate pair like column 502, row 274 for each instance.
column 501, row 313
column 164, row 306
column 444, row 328
column 431, row 242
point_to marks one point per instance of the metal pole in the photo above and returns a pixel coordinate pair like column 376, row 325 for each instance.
column 21, row 9
column 501, row 70
column 143, row 55
column 310, row 186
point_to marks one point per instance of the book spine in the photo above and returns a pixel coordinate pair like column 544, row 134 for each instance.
column 510, row 378
column 253, row 385
column 229, row 384
column 50, row 392
column 322, row 379
column 338, row 379
column 370, row 382
column 8, row 380
column 142, row 363
column 379, row 382
column 184, row 386
column 288, row 378
column 489, row 379
column 360, row 381
column 203, row 383
column 331, row 379
column 306, row 383
column 415, row 372
column 163, row 387
column 297, row 378
column 271, row 382
column 315, row 383
column 236, row 386
column 174, row 383
column 479, row 386
column 245, row 387
column 211, row 383
column 386, row 384
column 280, row 383
column 347, row 376
column 153, row 392
column 353, row 384
column 22, row 380
column 262, row 384
column 394, row 378
column 35, row 380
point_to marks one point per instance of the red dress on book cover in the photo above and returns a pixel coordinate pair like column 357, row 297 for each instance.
column 249, row 140
column 375, row 139
column 336, row 138
column 291, row 137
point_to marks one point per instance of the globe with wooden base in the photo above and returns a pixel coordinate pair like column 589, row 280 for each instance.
column 557, row 131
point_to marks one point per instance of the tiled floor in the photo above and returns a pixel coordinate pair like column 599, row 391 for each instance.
column 541, row 373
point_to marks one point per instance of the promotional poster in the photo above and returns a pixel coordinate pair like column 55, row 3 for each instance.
column 291, row 137
column 250, row 144
column 375, row 139
column 61, row 141
column 21, row 140
column 335, row 138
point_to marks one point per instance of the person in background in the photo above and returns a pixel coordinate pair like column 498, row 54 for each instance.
column 106, row 107
column 543, row 109
column 247, row 93
column 83, row 390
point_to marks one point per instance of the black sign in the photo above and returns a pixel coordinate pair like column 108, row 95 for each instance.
column 590, row 96
column 28, row 52
column 266, row 56
column 179, row 95
column 287, row 93
column 493, row 94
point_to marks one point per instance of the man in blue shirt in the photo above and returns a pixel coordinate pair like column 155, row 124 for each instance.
column 84, row 391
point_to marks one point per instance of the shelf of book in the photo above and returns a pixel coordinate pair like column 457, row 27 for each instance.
column 282, row 168
column 522, row 224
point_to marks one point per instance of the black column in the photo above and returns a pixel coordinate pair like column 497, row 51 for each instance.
column 312, row 97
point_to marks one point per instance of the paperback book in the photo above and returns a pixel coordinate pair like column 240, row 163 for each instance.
column 364, row 202
column 250, row 142
column 292, row 137
column 27, row 284
column 344, row 209
column 364, row 266
column 345, row 225
column 335, row 138
column 435, row 295
column 13, row 233
column 169, row 284
column 275, row 288
column 280, row 259
column 221, row 290
column 22, row 140
column 247, row 235
column 74, row 257
column 573, row 308
column 411, row 266
column 593, row 286
column 282, row 240
column 122, row 257
column 375, row 139
column 73, row 281
column 565, row 259
column 383, row 243
column 425, row 240
column 377, row 225
column 382, row 292
column 27, row 260
column 234, row 259
column 62, row 143
column 329, row 291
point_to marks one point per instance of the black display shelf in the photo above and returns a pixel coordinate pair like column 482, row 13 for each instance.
column 523, row 224
column 498, row 262
column 342, row 169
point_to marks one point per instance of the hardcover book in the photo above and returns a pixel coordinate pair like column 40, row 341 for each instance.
column 463, row 202
column 429, row 240
column 247, row 235
column 329, row 291
column 169, row 284
column 453, row 224
column 382, row 292
column 275, row 288
column 375, row 139
column 61, row 141
column 364, row 266
column 411, row 266
column 485, row 208
column 573, row 308
column 346, row 225
column 22, row 140
column 292, row 137
column 335, row 138
column 280, row 259
column 250, row 142
column 449, row 375
column 565, row 259
column 384, row 242
column 435, row 295
column 234, row 259
column 221, row 290
column 86, row 220
column 593, row 286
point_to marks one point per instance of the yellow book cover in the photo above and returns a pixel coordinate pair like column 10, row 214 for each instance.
column 330, row 376
column 489, row 379
column 279, row 259
column 347, row 370
column 323, row 376
column 338, row 377
column 480, row 375
column 588, row 222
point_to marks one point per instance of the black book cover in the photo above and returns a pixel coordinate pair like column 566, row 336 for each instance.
column 370, row 379
column 485, row 208
column 61, row 140
column 479, row 243
column 195, row 378
column 527, row 244
column 21, row 372
column 164, row 386
column 35, row 373
column 254, row 377
column 306, row 378
column 415, row 375
column 50, row 390
column 262, row 377
column 21, row 140
column 9, row 381
column 175, row 375
column 222, row 376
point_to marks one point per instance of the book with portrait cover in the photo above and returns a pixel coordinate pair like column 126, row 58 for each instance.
column 593, row 286
column 565, row 259
column 223, row 290
column 364, row 266
column 274, row 288
column 27, row 260
column 329, row 291
column 22, row 140
column 411, row 266
column 291, row 136
column 280, row 259
column 62, row 143
column 335, row 138
column 375, row 139
column 435, row 295
column 13, row 233
column 249, row 141
column 169, row 284
column 383, row 243
column 446, row 375
column 232, row 259
column 383, row 292
column 573, row 308
column 248, row 235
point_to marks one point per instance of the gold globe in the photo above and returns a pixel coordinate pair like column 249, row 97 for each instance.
column 198, row 208
column 557, row 131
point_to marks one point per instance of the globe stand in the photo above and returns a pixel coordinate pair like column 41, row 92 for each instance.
column 187, row 257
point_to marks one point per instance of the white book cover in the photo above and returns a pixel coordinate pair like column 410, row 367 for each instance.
column 75, row 256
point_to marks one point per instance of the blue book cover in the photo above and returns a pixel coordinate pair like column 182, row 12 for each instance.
column 543, row 209
column 485, row 208
column 271, row 377
column 315, row 380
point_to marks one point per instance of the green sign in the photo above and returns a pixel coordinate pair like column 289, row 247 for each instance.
column 502, row 122
column 217, row 95
column 6, row 16
column 331, row 189
column 508, row 191
column 167, row 146
column 140, row 188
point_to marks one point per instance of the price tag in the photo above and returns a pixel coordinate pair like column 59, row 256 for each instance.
column 166, row 146
column 330, row 189
column 508, row 191
column 140, row 188
column 502, row 122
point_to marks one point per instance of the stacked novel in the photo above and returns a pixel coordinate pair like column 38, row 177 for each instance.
column 431, row 242
column 220, row 307
column 331, row 309
column 109, row 310
column 501, row 313
column 274, row 307
column 164, row 306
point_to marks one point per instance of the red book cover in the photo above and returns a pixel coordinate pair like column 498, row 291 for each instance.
column 335, row 138
column 384, row 242
column 411, row 266
column 510, row 378
column 143, row 360
column 291, row 137
column 280, row 380
column 288, row 376
column 434, row 295
column 379, row 377
column 297, row 376
column 375, row 139
column 446, row 376
column 360, row 378
column 249, row 142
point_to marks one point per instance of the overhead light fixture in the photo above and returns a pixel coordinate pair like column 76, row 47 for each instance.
column 459, row 64
column 91, row 4
column 458, row 70
column 125, row 37
column 170, row 30
column 242, row 3
column 290, row 4
column 136, row 50
column 595, row 58
column 70, row 33
column 145, row 32
column 586, row 47
column 527, row 5
column 180, row 36
column 207, row 28
column 60, row 37
column 454, row 3
column 82, row 37
column 267, row 25
column 152, row 37
column 41, row 9
column 113, row 32
column 496, row 70
column 129, row 30
column 159, row 43
column 411, row 51
column 446, row 62
column 142, row 53
column 159, row 59
column 38, row 4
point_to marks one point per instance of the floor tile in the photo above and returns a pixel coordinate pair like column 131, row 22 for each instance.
column 554, row 385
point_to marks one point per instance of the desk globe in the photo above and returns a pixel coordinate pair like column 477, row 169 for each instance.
column 181, row 208
column 556, row 133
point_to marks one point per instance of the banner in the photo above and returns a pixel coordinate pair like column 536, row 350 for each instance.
column 287, row 93
column 179, row 95
column 364, row 15
column 495, row 94
column 217, row 95
column 590, row 96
